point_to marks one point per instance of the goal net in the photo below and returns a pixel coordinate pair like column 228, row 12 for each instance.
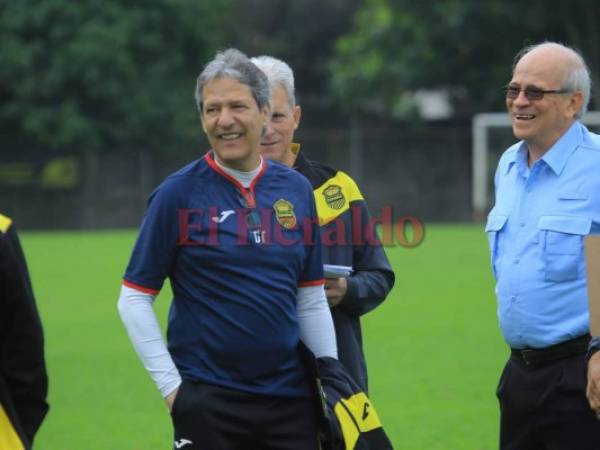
column 492, row 135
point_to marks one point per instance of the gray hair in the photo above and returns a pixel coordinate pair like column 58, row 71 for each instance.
column 278, row 72
column 232, row 63
column 578, row 78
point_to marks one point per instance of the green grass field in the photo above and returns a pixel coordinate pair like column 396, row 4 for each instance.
column 434, row 348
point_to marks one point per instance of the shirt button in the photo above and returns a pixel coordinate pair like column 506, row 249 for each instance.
column 513, row 299
column 516, row 261
column 522, row 224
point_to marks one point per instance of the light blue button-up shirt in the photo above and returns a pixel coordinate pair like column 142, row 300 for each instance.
column 536, row 232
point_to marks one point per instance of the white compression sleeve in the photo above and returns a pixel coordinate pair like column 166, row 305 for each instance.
column 136, row 311
column 316, row 324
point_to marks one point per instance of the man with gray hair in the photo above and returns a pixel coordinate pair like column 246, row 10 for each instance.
column 237, row 236
column 339, row 202
column 547, row 201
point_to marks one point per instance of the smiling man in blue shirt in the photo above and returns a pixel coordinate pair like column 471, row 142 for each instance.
column 547, row 200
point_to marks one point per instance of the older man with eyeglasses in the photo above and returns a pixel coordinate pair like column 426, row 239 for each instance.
column 547, row 200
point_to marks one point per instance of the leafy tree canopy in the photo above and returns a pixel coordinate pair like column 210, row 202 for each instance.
column 93, row 74
column 463, row 46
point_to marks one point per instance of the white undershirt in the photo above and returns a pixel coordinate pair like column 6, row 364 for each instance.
column 245, row 178
column 135, row 307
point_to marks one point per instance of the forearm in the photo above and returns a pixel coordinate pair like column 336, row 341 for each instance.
column 366, row 290
column 136, row 311
column 316, row 325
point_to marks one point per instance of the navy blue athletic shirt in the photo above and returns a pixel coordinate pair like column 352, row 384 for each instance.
column 235, row 258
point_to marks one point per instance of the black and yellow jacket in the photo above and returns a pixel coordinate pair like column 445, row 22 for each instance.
column 352, row 419
column 347, row 418
column 338, row 199
column 23, row 379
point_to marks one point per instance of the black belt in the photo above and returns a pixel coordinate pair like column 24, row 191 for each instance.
column 541, row 356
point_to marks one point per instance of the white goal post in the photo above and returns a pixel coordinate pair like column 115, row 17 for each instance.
column 482, row 172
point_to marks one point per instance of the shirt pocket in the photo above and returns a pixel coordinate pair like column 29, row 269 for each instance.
column 562, row 246
column 572, row 194
column 494, row 224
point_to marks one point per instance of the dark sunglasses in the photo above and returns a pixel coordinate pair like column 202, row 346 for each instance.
column 531, row 93
column 252, row 215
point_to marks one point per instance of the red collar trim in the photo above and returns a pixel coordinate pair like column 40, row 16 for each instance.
column 210, row 159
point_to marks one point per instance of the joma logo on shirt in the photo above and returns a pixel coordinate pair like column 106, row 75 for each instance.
column 224, row 215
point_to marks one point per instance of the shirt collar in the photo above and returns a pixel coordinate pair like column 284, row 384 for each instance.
column 300, row 161
column 518, row 157
column 295, row 148
column 244, row 178
column 559, row 153
column 210, row 159
column 556, row 157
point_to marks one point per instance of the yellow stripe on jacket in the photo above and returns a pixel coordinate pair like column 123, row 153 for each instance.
column 356, row 415
column 9, row 439
column 334, row 197
column 4, row 223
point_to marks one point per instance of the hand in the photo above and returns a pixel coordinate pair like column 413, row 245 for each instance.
column 593, row 384
column 170, row 399
column 335, row 289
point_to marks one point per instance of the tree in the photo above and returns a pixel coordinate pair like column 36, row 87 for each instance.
column 302, row 33
column 465, row 47
column 103, row 74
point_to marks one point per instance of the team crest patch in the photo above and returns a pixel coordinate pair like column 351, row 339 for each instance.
column 334, row 196
column 284, row 211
